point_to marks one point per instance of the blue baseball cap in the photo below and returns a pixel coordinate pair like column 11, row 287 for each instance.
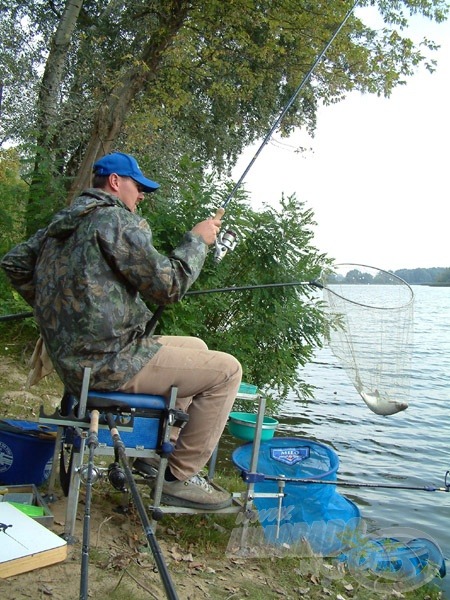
column 125, row 166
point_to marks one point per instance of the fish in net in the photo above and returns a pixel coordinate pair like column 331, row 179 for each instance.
column 370, row 332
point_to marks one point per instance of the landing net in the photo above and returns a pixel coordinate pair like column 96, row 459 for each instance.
column 370, row 332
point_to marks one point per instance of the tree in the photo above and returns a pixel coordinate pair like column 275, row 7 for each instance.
column 203, row 77
column 272, row 332
column 444, row 277
column 13, row 195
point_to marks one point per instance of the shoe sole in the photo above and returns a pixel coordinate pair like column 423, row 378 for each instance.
column 176, row 501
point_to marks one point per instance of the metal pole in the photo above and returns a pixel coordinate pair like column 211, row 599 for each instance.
column 260, row 477
column 243, row 288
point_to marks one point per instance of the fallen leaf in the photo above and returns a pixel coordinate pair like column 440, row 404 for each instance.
column 348, row 587
column 279, row 591
column 46, row 590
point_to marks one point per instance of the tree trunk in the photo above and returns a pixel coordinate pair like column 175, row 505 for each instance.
column 45, row 163
column 112, row 113
column 51, row 82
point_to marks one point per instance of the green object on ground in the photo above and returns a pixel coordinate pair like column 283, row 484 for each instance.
column 29, row 509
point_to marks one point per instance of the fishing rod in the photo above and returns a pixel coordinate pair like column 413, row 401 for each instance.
column 289, row 104
column 235, row 288
column 261, row 477
column 260, row 286
column 120, row 453
column 226, row 241
column 17, row 316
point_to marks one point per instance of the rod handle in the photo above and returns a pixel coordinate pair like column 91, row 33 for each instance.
column 94, row 421
column 219, row 213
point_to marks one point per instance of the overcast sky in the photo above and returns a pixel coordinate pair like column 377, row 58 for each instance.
column 377, row 177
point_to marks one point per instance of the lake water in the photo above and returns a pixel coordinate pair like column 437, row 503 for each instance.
column 410, row 448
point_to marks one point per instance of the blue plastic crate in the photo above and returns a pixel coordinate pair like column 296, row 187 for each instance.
column 145, row 434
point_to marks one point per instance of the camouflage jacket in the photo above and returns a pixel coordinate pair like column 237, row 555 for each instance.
column 87, row 275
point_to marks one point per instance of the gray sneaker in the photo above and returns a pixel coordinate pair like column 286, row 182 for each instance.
column 195, row 492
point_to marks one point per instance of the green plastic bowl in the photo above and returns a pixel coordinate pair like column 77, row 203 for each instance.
column 243, row 426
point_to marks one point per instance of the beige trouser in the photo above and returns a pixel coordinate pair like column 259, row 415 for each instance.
column 207, row 383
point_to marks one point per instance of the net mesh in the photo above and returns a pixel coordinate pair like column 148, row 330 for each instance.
column 370, row 332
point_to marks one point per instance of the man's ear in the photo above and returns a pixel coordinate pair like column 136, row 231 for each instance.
column 113, row 182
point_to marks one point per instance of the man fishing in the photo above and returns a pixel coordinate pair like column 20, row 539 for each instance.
column 87, row 276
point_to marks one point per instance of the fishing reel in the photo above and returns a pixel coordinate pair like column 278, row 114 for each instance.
column 116, row 476
column 225, row 242
column 84, row 474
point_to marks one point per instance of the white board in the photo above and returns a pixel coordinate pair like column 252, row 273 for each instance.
column 25, row 544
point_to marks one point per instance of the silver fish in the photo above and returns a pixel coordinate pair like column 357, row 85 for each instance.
column 382, row 405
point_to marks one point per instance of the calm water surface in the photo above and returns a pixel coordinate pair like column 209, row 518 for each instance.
column 410, row 448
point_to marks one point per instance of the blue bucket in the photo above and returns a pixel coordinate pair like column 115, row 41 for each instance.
column 26, row 452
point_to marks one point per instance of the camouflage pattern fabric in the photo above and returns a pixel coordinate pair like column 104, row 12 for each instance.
column 87, row 276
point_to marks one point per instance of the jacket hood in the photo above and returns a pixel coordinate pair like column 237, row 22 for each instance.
column 67, row 220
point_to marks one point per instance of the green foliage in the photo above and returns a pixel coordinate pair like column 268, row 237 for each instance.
column 271, row 331
column 13, row 202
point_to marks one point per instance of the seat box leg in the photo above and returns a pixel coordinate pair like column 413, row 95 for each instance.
column 74, row 492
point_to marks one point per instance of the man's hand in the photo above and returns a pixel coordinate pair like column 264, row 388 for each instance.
column 208, row 229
